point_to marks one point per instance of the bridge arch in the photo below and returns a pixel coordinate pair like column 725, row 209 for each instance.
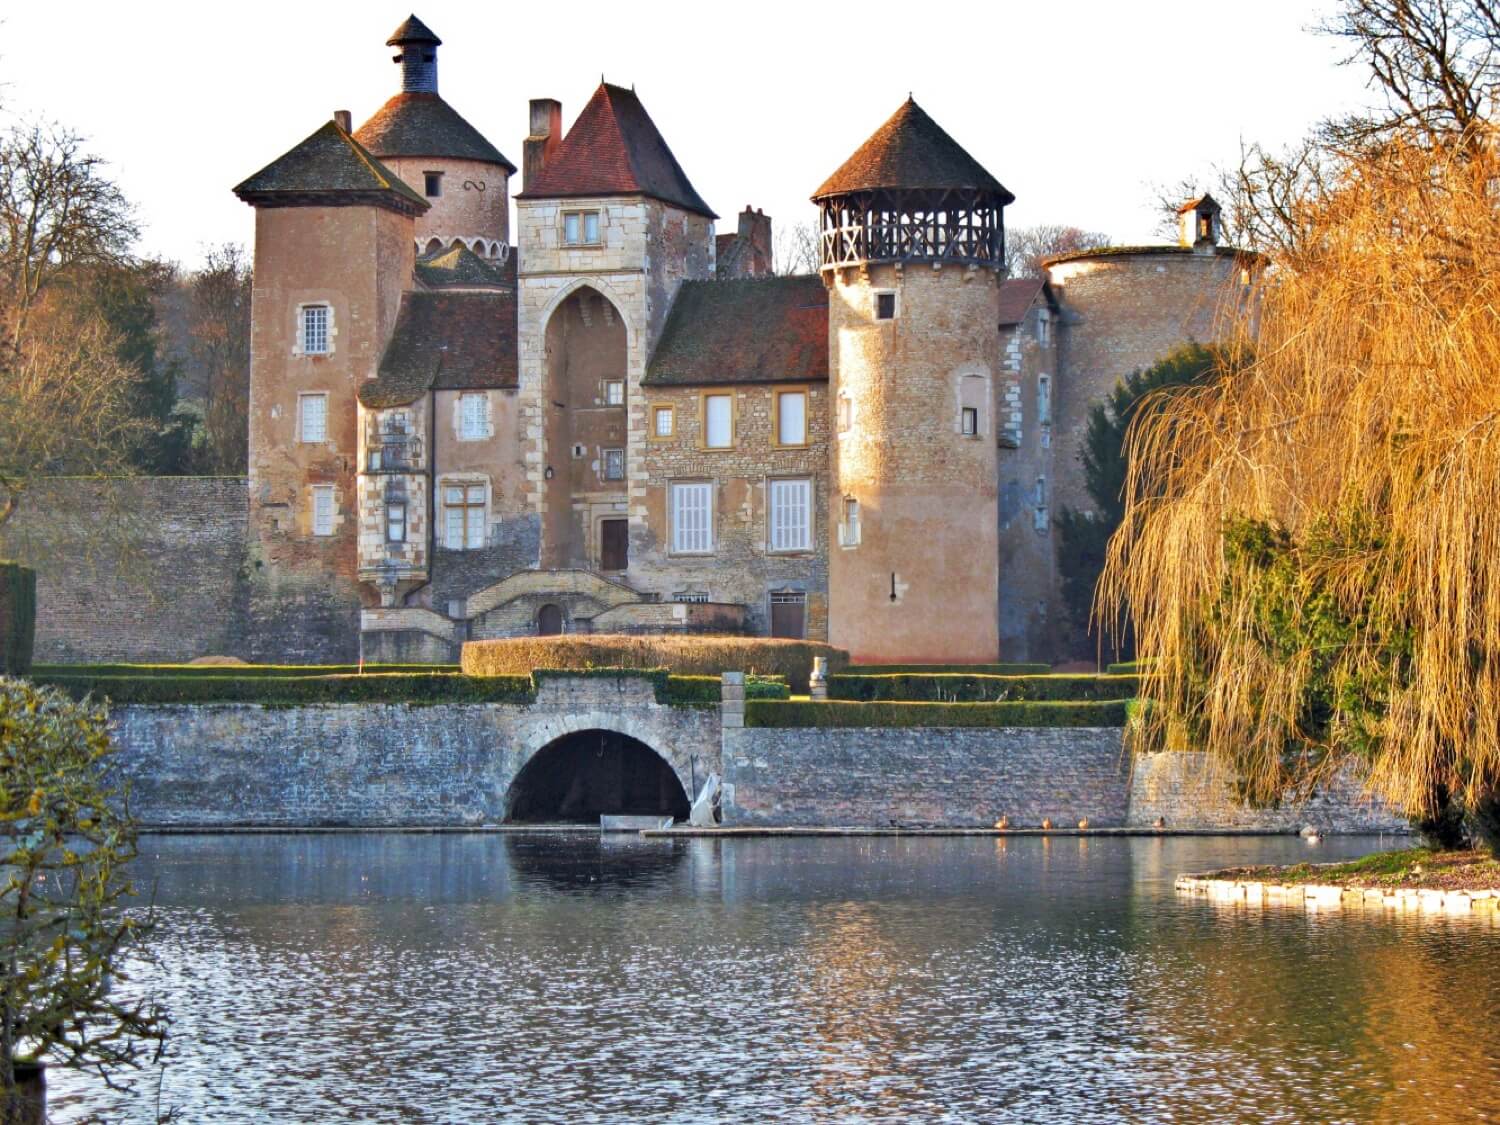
column 580, row 775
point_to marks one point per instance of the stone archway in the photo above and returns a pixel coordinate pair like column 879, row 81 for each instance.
column 581, row 776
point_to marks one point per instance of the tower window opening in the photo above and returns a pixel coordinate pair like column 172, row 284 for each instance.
column 314, row 330
column 395, row 522
column 614, row 392
column 432, row 183
column 970, row 421
column 580, row 228
column 849, row 524
column 885, row 306
column 322, row 509
column 614, row 464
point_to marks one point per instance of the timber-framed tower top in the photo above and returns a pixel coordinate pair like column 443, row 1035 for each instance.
column 912, row 194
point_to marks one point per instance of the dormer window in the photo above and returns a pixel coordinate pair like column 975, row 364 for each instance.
column 432, row 183
column 580, row 228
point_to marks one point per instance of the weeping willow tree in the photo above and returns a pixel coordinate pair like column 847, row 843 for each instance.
column 1310, row 550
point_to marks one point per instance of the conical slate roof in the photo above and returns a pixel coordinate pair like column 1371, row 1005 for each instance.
column 413, row 31
column 416, row 123
column 614, row 148
column 911, row 152
column 329, row 166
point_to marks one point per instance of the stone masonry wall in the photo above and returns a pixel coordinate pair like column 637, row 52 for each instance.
column 951, row 778
column 148, row 569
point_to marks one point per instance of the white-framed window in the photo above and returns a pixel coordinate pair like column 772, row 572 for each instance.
column 614, row 464
column 691, row 597
column 473, row 416
column 614, row 392
column 885, row 304
column 969, row 421
column 580, row 228
column 463, row 515
column 395, row 521
column 718, row 421
column 312, row 418
column 791, row 417
column 1044, row 400
column 312, row 331
column 845, row 414
column 322, row 509
column 790, row 515
column 849, row 522
column 663, row 421
column 692, row 517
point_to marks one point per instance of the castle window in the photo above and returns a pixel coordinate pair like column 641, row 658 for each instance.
column 314, row 330
column 1043, row 327
column 1041, row 521
column 1043, row 400
column 432, row 183
column 692, row 518
column 791, row 515
column 473, row 417
column 885, row 305
column 614, row 464
column 970, row 422
column 580, row 228
column 791, row 417
column 691, row 597
column 614, row 392
column 463, row 516
column 845, row 414
column 322, row 509
column 718, row 421
column 395, row 522
column 973, row 393
column 849, row 524
column 663, row 421
column 312, row 418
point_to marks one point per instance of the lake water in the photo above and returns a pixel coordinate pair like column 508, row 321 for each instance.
column 476, row 978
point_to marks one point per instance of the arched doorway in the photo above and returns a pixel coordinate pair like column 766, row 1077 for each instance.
column 585, row 428
column 581, row 777
column 549, row 620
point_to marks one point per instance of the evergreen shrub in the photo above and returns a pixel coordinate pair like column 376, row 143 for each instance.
column 801, row 713
column 17, row 618
column 949, row 688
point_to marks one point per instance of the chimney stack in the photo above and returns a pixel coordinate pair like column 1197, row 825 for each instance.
column 546, row 133
column 342, row 119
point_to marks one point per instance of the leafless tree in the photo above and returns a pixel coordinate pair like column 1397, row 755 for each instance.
column 57, row 211
column 1027, row 247
column 219, row 319
column 795, row 249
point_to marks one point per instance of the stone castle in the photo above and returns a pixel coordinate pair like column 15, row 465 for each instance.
column 606, row 417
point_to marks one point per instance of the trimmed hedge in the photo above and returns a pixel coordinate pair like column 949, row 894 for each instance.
column 946, row 669
column 949, row 688
column 686, row 655
column 799, row 713
column 17, row 618
column 236, row 671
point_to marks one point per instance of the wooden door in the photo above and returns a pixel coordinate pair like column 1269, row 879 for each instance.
column 614, row 540
column 549, row 620
column 788, row 614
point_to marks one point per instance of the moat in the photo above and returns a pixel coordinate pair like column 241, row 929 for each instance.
column 459, row 978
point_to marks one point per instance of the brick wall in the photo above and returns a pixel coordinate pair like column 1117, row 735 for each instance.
column 143, row 569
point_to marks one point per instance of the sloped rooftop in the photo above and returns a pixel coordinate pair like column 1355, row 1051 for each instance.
column 753, row 330
column 329, row 166
column 446, row 341
column 416, row 123
column 461, row 268
column 911, row 152
column 614, row 148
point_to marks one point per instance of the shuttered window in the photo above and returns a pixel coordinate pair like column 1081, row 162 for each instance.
column 791, row 515
column 312, row 418
column 322, row 509
column 718, row 421
column 473, row 417
column 692, row 518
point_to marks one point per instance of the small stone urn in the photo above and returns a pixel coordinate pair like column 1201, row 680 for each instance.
column 817, row 683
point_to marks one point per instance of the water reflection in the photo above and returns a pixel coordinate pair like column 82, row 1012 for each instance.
column 474, row 978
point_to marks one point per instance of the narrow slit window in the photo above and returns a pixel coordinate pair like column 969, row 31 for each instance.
column 970, row 421
column 849, row 524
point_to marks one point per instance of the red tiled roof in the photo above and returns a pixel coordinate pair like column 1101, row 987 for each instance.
column 329, row 167
column 911, row 152
column 1016, row 298
column 754, row 330
column 614, row 148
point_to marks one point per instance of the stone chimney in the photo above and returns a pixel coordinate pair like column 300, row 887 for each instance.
column 546, row 133
column 755, row 234
column 342, row 119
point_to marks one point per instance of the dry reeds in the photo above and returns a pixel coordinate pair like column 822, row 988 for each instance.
column 1369, row 392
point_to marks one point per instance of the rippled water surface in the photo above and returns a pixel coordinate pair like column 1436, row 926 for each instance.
column 474, row 978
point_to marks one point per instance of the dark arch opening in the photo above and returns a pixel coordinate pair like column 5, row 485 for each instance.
column 549, row 620
column 593, row 773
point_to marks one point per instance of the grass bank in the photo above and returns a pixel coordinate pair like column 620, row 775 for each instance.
column 1409, row 868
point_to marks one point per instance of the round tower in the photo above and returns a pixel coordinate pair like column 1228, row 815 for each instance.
column 913, row 252
column 439, row 155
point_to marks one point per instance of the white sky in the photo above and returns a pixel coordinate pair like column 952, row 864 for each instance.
column 1076, row 106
